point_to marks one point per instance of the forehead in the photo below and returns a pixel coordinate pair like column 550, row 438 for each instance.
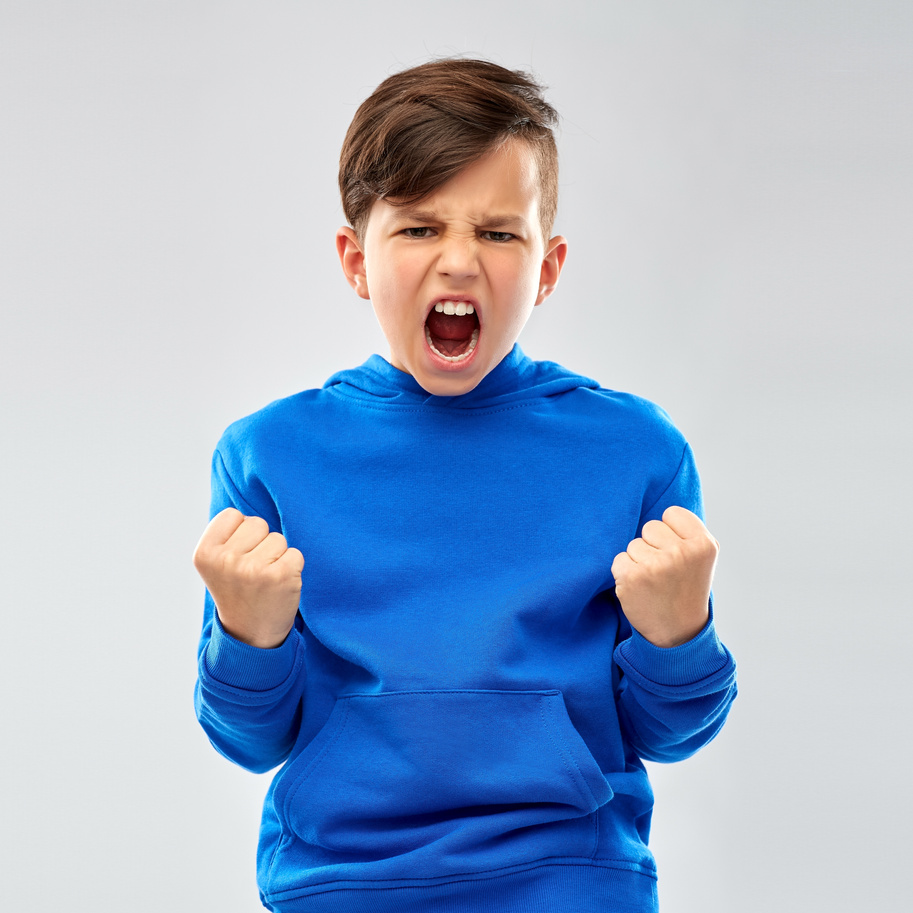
column 503, row 183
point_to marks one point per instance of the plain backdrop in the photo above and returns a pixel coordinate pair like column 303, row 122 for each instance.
column 736, row 189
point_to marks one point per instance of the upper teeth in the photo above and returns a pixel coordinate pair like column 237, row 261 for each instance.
column 460, row 308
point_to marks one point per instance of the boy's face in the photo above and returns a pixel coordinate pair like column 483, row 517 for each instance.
column 475, row 243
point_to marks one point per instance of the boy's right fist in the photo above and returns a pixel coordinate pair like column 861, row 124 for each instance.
column 253, row 576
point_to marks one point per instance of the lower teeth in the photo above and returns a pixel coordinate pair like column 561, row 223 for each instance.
column 466, row 354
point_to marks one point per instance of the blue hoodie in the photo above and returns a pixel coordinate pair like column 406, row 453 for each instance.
column 461, row 709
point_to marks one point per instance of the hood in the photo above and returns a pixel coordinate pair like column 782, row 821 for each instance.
column 515, row 378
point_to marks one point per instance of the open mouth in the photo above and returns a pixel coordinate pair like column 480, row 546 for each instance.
column 452, row 329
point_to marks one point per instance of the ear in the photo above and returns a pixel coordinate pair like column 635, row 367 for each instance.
column 552, row 264
column 352, row 258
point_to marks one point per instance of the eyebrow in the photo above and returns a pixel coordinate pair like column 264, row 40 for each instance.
column 429, row 216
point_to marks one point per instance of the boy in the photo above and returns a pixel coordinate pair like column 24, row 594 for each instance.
column 506, row 604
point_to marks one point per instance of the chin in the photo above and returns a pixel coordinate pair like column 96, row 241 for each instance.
column 455, row 385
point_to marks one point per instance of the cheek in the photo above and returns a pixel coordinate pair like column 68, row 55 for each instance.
column 397, row 278
column 519, row 282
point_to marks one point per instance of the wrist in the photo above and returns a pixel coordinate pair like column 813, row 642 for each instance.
column 669, row 634
column 261, row 637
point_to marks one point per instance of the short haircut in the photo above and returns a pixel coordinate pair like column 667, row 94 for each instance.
column 422, row 126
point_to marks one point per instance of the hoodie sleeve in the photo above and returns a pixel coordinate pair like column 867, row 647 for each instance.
column 673, row 701
column 247, row 699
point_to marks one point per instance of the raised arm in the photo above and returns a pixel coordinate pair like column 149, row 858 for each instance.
column 678, row 680
column 251, row 657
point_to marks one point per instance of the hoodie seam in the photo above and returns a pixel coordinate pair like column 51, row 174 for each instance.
column 678, row 469
column 443, row 410
column 377, row 884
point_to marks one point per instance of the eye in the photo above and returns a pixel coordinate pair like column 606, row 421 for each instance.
column 498, row 236
column 419, row 231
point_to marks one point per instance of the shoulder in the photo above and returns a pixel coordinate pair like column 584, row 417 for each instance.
column 273, row 418
column 624, row 421
column 275, row 428
column 639, row 420
column 256, row 450
column 645, row 442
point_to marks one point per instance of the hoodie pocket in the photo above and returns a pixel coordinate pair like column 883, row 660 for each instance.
column 395, row 772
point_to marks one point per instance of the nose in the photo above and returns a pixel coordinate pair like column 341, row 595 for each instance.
column 458, row 258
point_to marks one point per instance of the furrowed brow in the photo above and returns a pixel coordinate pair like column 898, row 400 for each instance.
column 491, row 222
column 416, row 215
column 498, row 222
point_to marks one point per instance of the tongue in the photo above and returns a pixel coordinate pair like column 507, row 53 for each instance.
column 449, row 326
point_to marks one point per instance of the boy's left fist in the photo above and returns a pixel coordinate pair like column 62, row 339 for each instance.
column 663, row 578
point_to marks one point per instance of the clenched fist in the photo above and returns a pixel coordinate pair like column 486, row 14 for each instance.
column 663, row 578
column 253, row 576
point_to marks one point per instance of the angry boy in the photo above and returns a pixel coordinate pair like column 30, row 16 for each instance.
column 506, row 602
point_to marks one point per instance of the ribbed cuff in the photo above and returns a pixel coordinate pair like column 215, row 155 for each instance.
column 687, row 664
column 239, row 665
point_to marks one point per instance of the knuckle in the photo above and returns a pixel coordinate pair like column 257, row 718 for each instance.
column 251, row 564
column 257, row 525
column 295, row 585
column 652, row 526
column 205, row 555
column 249, row 571
column 681, row 517
column 272, row 575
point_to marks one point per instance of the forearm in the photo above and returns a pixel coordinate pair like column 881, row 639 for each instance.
column 674, row 701
column 248, row 699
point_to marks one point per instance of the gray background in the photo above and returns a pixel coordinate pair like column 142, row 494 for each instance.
column 736, row 189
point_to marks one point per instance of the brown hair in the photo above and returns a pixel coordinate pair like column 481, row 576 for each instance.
column 422, row 126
